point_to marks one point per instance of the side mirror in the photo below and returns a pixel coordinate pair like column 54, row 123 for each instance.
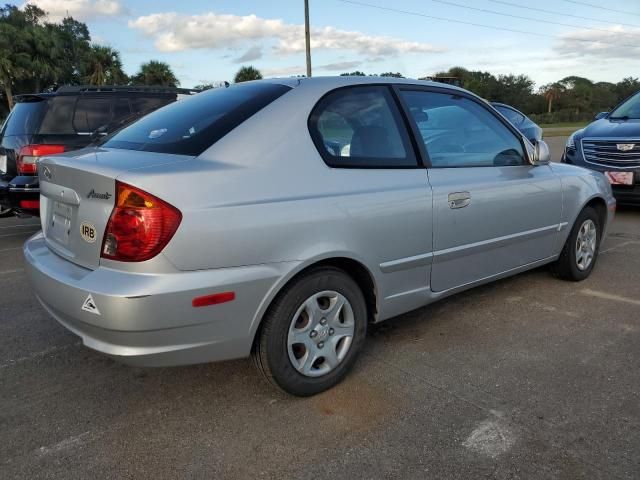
column 541, row 154
column 600, row 115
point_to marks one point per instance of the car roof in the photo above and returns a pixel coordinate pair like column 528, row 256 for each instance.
column 339, row 81
column 104, row 90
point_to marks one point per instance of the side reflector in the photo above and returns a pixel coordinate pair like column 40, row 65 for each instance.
column 215, row 299
column 30, row 204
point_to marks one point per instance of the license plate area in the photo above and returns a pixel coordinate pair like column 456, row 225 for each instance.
column 60, row 225
column 619, row 178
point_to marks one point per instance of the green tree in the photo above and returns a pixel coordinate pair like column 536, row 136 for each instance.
column 628, row 86
column 14, row 49
column 76, row 46
column 203, row 86
column 247, row 73
column 102, row 66
column 357, row 73
column 552, row 92
column 391, row 74
column 47, row 55
column 155, row 72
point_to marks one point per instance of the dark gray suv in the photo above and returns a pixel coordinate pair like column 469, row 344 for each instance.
column 49, row 123
column 611, row 145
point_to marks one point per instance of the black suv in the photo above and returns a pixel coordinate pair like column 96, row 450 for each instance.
column 68, row 119
column 611, row 145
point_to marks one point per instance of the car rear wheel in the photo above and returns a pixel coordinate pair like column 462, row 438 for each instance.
column 312, row 333
column 579, row 254
column 5, row 212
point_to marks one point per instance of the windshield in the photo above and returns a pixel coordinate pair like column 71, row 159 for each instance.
column 629, row 109
column 190, row 126
column 24, row 118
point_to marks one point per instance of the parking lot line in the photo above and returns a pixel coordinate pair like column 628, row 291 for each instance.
column 37, row 225
column 15, row 270
column 609, row 296
column 18, row 234
column 620, row 245
column 42, row 353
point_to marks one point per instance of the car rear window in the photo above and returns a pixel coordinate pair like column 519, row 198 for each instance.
column 91, row 113
column 190, row 126
column 144, row 104
column 24, row 118
column 57, row 119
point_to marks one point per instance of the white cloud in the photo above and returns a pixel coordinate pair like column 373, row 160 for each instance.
column 175, row 32
column 619, row 43
column 294, row 70
column 339, row 66
column 284, row 71
column 79, row 9
column 254, row 53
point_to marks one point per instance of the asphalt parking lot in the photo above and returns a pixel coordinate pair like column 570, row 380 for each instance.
column 529, row 377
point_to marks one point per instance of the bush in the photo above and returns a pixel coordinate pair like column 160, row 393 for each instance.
column 561, row 116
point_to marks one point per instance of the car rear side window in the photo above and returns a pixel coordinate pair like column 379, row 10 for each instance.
column 459, row 132
column 190, row 126
column 24, row 118
column 91, row 113
column 360, row 127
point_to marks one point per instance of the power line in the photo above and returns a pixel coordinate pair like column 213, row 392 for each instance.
column 492, row 27
column 602, row 8
column 519, row 17
column 511, row 4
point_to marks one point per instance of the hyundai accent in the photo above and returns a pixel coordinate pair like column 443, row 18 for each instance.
column 280, row 218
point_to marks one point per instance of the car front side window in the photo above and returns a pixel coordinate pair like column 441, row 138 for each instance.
column 459, row 132
column 361, row 127
column 511, row 115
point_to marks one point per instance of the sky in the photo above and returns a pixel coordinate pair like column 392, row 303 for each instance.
column 208, row 41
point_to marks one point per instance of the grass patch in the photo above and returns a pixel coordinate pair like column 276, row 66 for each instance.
column 565, row 125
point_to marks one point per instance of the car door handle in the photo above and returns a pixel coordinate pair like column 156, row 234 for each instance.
column 459, row 199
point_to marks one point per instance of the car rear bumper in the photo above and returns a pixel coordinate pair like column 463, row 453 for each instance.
column 24, row 194
column 148, row 319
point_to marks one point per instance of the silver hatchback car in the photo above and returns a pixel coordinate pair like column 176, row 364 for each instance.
column 279, row 218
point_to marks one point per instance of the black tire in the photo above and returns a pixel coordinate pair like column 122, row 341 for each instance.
column 271, row 351
column 566, row 267
column 6, row 212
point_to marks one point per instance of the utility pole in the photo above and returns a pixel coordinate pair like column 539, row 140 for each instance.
column 307, row 36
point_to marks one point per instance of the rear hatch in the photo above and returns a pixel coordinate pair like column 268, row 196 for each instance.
column 18, row 130
column 77, row 195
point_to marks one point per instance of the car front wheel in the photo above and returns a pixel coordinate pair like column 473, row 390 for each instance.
column 580, row 252
column 312, row 333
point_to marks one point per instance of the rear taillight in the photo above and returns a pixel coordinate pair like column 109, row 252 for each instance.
column 28, row 156
column 139, row 227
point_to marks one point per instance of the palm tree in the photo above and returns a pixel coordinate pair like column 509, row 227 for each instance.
column 14, row 59
column 103, row 66
column 46, row 63
column 246, row 74
column 155, row 72
column 552, row 92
